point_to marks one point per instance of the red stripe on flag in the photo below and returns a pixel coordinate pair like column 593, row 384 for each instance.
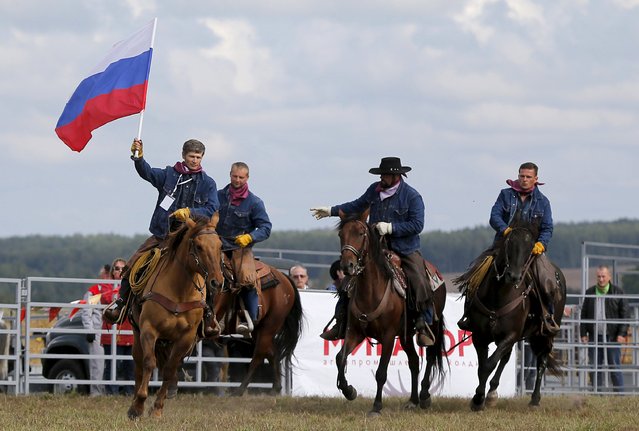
column 101, row 110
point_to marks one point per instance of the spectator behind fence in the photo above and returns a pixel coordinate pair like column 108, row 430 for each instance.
column 124, row 367
column 606, row 306
column 300, row 277
column 92, row 321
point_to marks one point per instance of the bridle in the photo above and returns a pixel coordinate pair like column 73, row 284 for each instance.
column 361, row 253
column 198, row 261
column 525, row 268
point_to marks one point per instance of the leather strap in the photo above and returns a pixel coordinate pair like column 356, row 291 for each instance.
column 172, row 306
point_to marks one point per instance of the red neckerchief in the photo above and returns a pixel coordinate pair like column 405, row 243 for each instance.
column 239, row 194
column 181, row 168
column 514, row 184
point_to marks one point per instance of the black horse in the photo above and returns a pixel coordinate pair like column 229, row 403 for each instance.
column 507, row 307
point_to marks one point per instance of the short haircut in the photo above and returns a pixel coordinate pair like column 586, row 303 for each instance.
column 240, row 165
column 335, row 266
column 193, row 146
column 529, row 165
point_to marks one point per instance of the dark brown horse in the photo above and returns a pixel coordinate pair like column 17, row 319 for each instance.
column 169, row 309
column 377, row 311
column 277, row 330
column 506, row 308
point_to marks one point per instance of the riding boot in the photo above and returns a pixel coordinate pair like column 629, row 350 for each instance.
column 338, row 331
column 549, row 323
column 211, row 328
column 464, row 322
column 425, row 336
column 114, row 312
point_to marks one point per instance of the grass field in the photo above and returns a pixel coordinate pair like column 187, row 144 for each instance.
column 198, row 412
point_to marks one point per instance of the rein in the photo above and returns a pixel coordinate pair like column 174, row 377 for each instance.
column 494, row 315
column 182, row 307
column 361, row 255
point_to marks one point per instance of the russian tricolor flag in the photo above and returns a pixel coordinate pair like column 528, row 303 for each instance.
column 115, row 88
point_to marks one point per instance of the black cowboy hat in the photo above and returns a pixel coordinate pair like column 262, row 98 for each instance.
column 390, row 165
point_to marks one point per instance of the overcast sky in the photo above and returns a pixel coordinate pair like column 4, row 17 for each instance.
column 311, row 94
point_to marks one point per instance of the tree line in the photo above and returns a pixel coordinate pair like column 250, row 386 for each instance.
column 81, row 256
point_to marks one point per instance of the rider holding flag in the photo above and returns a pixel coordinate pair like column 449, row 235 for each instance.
column 184, row 190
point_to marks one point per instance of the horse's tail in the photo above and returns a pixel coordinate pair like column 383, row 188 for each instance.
column 438, row 352
column 286, row 339
column 553, row 365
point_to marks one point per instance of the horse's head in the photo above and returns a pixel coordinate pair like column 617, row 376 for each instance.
column 513, row 254
column 205, row 250
column 354, row 237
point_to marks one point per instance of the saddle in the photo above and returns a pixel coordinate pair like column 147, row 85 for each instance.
column 400, row 282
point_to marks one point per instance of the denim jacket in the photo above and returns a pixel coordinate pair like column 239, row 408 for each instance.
column 203, row 203
column 506, row 205
column 404, row 210
column 248, row 217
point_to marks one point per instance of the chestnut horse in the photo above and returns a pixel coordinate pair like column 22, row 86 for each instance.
column 277, row 330
column 506, row 308
column 167, row 313
column 377, row 311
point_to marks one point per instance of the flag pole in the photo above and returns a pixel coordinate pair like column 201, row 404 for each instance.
column 139, row 137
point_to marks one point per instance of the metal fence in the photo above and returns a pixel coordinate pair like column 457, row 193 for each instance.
column 26, row 325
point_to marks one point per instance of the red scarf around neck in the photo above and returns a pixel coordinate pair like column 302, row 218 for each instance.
column 181, row 168
column 239, row 194
column 514, row 184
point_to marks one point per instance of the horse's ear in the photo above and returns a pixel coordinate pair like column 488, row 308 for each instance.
column 214, row 219
column 363, row 216
column 190, row 223
column 342, row 215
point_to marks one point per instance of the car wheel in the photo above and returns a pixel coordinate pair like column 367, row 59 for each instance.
column 67, row 369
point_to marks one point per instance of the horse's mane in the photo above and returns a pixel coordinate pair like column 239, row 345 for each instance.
column 376, row 245
column 175, row 237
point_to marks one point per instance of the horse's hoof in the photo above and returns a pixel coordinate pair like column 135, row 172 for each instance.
column 476, row 405
column 350, row 393
column 155, row 413
column 410, row 405
column 133, row 414
column 373, row 414
column 491, row 399
column 533, row 405
column 425, row 403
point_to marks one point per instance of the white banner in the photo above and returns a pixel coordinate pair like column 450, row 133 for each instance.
column 315, row 371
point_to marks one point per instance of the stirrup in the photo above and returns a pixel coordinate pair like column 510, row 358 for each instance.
column 114, row 312
column 331, row 334
column 243, row 329
column 464, row 324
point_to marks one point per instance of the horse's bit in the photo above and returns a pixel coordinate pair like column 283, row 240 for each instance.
column 359, row 254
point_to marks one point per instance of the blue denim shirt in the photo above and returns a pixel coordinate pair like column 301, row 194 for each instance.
column 248, row 217
column 202, row 199
column 539, row 210
column 405, row 210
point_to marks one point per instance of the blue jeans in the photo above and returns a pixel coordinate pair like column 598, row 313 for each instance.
column 249, row 296
column 612, row 352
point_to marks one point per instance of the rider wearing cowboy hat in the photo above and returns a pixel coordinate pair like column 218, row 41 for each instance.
column 396, row 211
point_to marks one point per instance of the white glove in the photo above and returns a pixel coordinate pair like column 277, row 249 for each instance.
column 321, row 212
column 384, row 228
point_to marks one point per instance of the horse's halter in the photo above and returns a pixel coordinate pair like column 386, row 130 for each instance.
column 361, row 253
column 196, row 258
column 499, row 276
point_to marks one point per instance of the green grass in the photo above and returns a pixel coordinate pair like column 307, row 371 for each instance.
column 199, row 412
